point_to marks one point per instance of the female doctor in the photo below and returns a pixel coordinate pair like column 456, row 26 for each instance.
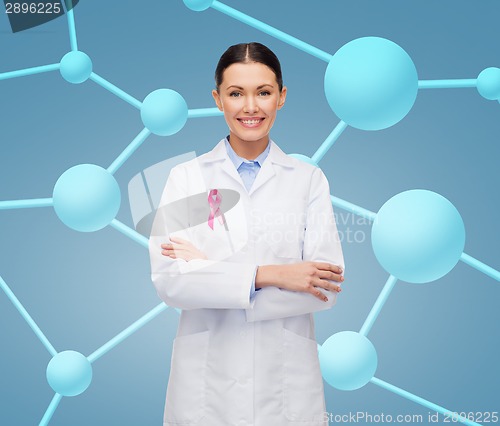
column 249, row 277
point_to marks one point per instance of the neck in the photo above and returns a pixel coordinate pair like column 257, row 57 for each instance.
column 249, row 150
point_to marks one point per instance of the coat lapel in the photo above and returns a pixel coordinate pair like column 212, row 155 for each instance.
column 267, row 171
column 218, row 158
column 270, row 166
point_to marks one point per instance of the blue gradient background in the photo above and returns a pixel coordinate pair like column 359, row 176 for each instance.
column 437, row 340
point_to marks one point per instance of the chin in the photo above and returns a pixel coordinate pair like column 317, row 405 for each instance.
column 251, row 136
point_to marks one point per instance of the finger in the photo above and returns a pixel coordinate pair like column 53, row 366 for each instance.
column 168, row 253
column 328, row 275
column 328, row 267
column 315, row 292
column 180, row 240
column 180, row 249
column 176, row 246
column 182, row 252
column 327, row 285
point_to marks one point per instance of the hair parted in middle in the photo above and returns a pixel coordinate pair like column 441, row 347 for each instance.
column 245, row 53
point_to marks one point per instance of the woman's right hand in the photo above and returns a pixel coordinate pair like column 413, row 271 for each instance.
column 303, row 276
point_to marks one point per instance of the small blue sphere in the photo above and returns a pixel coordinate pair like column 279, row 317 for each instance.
column 76, row 67
column 371, row 83
column 198, row 5
column 304, row 158
column 69, row 373
column 348, row 360
column 418, row 236
column 164, row 112
column 86, row 198
column 488, row 83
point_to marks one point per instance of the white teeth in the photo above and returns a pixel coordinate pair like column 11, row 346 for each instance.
column 251, row 121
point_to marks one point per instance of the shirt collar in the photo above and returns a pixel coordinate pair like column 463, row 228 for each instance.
column 276, row 155
column 237, row 160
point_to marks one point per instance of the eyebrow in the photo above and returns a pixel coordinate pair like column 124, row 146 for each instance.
column 241, row 88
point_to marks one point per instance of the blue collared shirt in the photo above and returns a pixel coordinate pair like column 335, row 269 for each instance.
column 248, row 170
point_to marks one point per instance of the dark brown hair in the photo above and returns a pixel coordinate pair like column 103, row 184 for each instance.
column 245, row 53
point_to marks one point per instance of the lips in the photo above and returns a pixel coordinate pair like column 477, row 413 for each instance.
column 251, row 122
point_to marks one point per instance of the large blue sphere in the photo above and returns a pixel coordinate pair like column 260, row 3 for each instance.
column 488, row 83
column 86, row 197
column 418, row 236
column 198, row 5
column 164, row 112
column 69, row 373
column 76, row 67
column 348, row 360
column 371, row 83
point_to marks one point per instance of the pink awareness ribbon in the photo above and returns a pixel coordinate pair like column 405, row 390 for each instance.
column 214, row 208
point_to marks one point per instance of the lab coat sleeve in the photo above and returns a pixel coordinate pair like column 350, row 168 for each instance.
column 322, row 244
column 198, row 283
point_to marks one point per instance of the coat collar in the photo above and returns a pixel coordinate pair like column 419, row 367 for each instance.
column 276, row 155
column 267, row 171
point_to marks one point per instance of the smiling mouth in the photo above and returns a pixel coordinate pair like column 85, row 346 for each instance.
column 251, row 122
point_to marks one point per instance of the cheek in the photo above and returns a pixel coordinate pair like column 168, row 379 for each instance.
column 270, row 106
column 271, row 112
column 231, row 107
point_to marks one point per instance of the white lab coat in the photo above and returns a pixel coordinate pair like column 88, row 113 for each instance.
column 236, row 361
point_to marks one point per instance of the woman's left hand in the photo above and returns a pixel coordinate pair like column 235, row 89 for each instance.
column 181, row 249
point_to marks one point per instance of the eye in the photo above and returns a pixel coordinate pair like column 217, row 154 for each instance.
column 235, row 94
column 265, row 93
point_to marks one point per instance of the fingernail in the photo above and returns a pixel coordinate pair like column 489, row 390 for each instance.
column 341, row 278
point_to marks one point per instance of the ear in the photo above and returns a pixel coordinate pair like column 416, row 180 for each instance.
column 217, row 100
column 282, row 98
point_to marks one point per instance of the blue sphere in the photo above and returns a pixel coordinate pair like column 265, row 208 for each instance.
column 304, row 158
column 418, row 236
column 164, row 112
column 86, row 198
column 371, row 83
column 488, row 83
column 76, row 67
column 198, row 5
column 69, row 373
column 348, row 360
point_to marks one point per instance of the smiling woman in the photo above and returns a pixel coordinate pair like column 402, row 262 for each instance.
column 249, row 279
column 250, row 92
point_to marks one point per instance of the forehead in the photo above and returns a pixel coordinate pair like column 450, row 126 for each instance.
column 252, row 74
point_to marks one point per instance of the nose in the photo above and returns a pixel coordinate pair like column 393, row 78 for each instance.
column 251, row 106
